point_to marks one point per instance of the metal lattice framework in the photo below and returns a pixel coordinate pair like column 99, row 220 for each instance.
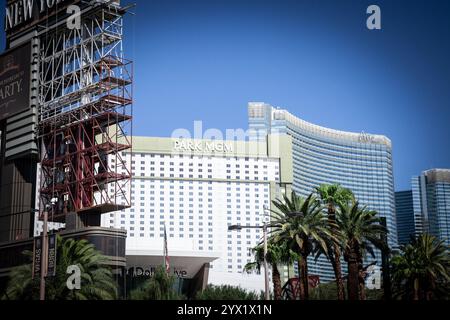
column 85, row 115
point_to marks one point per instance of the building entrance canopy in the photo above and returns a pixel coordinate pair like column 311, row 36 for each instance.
column 182, row 264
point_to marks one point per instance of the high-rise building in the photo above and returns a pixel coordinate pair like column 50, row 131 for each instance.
column 404, row 209
column 431, row 198
column 358, row 161
column 72, row 104
column 198, row 188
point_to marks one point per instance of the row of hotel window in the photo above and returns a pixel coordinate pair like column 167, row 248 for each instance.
column 359, row 152
column 187, row 156
column 144, row 166
column 191, row 164
column 163, row 184
column 191, row 205
column 298, row 135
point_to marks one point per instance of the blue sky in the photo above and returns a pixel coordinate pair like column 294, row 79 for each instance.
column 205, row 60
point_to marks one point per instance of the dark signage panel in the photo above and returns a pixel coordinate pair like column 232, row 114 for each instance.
column 15, row 81
column 37, row 256
column 51, row 267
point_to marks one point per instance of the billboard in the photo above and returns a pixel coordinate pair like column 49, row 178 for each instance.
column 15, row 68
column 23, row 14
column 51, row 264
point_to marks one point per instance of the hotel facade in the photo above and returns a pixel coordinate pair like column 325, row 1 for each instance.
column 198, row 188
column 360, row 162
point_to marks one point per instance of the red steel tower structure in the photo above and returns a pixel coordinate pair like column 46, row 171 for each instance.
column 85, row 117
column 65, row 139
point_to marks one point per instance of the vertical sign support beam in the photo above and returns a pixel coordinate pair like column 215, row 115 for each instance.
column 385, row 265
column 44, row 257
column 266, row 270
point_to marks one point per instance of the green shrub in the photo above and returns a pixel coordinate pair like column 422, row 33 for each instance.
column 227, row 292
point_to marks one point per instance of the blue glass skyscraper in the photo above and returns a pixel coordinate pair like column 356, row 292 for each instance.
column 431, row 200
column 358, row 161
column 404, row 208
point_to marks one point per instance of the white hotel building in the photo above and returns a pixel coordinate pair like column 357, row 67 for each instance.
column 199, row 188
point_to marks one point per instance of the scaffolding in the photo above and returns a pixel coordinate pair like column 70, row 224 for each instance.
column 85, row 115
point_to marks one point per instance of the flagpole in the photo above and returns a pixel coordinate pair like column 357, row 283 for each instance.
column 164, row 246
column 166, row 251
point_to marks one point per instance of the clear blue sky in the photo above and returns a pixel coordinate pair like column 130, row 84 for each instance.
column 205, row 60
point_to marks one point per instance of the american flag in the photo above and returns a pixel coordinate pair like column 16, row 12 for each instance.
column 166, row 252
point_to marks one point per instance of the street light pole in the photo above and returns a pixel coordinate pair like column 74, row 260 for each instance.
column 266, row 269
column 385, row 264
column 44, row 256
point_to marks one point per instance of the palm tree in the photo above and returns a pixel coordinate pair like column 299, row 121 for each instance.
column 302, row 225
column 277, row 253
column 332, row 196
column 97, row 282
column 420, row 267
column 359, row 228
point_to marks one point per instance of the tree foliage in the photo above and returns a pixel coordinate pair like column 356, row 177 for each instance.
column 227, row 292
column 277, row 254
column 421, row 271
column 159, row 287
column 328, row 291
column 97, row 281
column 303, row 226
column 360, row 229
column 333, row 196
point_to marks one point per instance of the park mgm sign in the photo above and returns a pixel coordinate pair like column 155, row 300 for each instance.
column 202, row 146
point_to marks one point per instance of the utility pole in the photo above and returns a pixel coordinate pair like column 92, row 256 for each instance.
column 266, row 270
column 44, row 261
column 385, row 264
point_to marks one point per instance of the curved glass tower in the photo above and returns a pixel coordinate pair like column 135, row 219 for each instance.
column 360, row 162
